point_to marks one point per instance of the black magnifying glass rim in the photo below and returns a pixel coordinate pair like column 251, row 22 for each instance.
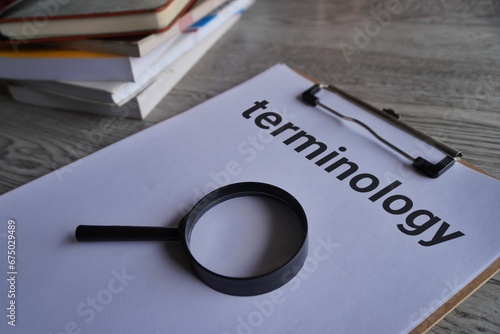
column 251, row 285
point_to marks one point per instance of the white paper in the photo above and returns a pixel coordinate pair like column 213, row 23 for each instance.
column 363, row 275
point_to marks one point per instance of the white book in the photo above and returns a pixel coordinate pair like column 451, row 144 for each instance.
column 140, row 105
column 44, row 63
column 88, row 18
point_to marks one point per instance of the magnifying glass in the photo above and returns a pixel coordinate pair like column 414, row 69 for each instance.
column 237, row 285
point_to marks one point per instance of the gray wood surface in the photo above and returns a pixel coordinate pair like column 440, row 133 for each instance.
column 436, row 62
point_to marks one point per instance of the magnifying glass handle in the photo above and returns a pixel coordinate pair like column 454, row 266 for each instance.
column 125, row 233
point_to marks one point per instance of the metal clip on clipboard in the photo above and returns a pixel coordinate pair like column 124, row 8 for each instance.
column 389, row 115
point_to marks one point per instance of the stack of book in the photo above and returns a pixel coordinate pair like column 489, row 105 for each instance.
column 115, row 57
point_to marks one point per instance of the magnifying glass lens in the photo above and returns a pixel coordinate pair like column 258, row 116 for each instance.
column 246, row 236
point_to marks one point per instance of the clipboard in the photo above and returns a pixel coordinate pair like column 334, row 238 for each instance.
column 432, row 170
column 153, row 175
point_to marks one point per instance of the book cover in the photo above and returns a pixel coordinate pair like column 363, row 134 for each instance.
column 43, row 19
column 33, row 9
column 138, row 46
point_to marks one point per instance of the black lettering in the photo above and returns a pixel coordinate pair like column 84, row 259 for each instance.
column 283, row 128
column 310, row 140
column 258, row 105
column 405, row 208
column 330, row 156
column 343, row 161
column 373, row 184
column 439, row 237
column 415, row 223
column 385, row 191
column 270, row 118
column 418, row 228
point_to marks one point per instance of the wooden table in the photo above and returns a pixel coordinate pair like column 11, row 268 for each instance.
column 435, row 62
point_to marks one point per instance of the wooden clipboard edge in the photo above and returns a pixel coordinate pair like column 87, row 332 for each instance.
column 457, row 299
column 465, row 292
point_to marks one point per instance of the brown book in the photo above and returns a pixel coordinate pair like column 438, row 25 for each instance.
column 46, row 19
column 141, row 45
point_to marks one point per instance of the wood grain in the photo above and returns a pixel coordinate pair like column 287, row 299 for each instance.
column 436, row 62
